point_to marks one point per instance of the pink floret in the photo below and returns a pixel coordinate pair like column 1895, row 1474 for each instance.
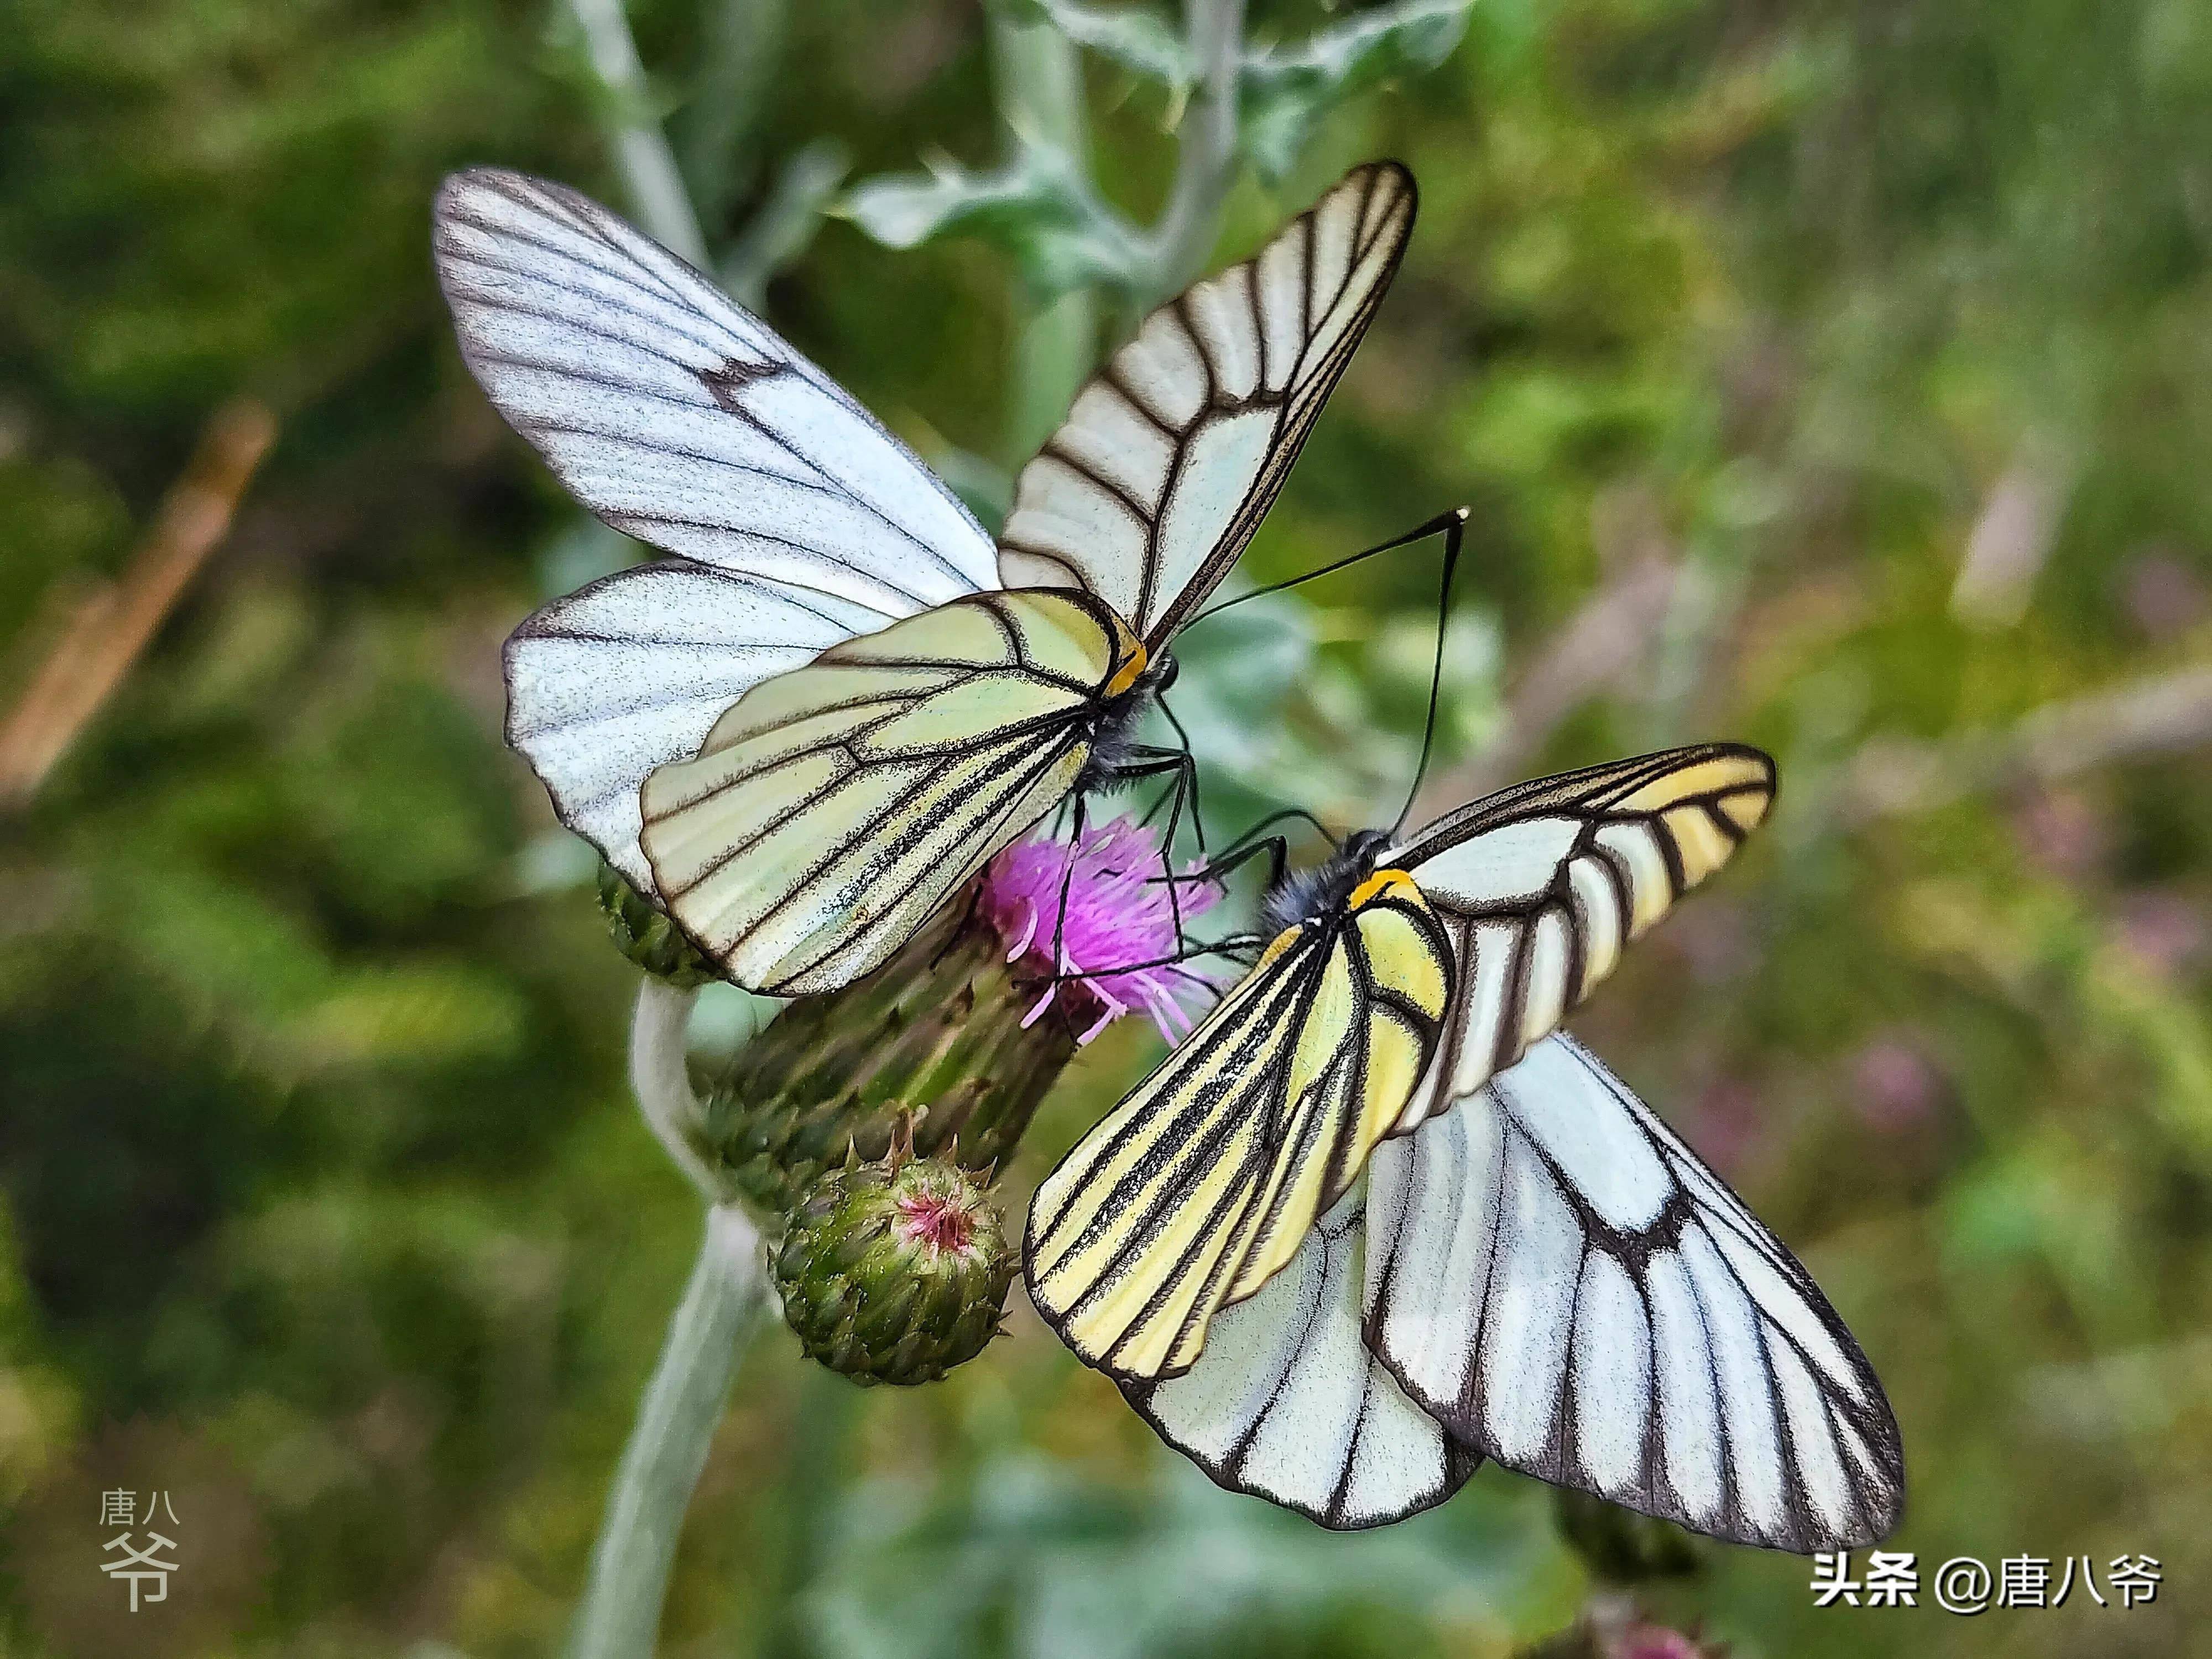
column 1655, row 1641
column 943, row 1223
column 1118, row 914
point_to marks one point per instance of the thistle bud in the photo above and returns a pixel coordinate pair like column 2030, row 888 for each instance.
column 645, row 935
column 1618, row 1545
column 895, row 1272
column 975, row 1017
column 1612, row 1627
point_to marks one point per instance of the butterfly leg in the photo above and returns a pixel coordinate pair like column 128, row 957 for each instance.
column 1197, row 813
column 1153, row 762
column 1234, row 944
column 1277, row 848
column 1185, row 782
column 1066, row 883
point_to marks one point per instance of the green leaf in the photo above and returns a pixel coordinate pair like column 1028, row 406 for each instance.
column 1133, row 38
column 1039, row 208
column 1286, row 91
column 410, row 1013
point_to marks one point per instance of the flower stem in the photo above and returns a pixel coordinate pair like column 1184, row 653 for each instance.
column 1206, row 163
column 662, row 1083
column 1037, row 78
column 649, row 171
column 619, row 1617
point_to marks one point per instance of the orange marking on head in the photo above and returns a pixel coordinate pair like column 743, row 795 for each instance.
column 1385, row 882
column 1133, row 663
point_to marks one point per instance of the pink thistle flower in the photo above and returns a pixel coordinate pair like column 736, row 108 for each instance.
column 942, row 1222
column 1642, row 1641
column 1119, row 925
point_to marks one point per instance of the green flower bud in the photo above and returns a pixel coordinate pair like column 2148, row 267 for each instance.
column 647, row 937
column 836, row 1074
column 895, row 1272
column 1618, row 1545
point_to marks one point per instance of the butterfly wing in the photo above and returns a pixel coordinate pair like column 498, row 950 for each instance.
column 682, row 420
column 633, row 671
column 1539, row 887
column 1568, row 1288
column 1287, row 1402
column 1172, row 453
column 1199, row 1186
column 833, row 808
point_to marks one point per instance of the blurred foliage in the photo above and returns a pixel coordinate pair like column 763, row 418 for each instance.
column 323, row 1196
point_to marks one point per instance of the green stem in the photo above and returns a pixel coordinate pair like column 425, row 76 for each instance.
column 659, row 1076
column 619, row 1617
column 649, row 171
column 1205, row 166
column 1038, row 75
column 784, row 222
column 741, row 43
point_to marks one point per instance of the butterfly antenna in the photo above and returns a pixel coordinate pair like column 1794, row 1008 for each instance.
column 1455, row 538
column 1442, row 524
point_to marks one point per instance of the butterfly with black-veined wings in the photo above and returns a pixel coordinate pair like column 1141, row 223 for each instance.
column 1532, row 1268
column 839, row 700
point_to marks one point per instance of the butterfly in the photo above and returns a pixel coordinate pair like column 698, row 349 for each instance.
column 839, row 699
column 1534, row 1267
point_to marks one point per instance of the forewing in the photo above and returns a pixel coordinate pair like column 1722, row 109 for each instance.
column 833, row 808
column 681, row 419
column 1198, row 1188
column 1286, row 1403
column 1174, row 451
column 1540, row 887
column 1570, row 1290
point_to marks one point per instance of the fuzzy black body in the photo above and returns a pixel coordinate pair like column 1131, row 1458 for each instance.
column 1308, row 895
column 1115, row 746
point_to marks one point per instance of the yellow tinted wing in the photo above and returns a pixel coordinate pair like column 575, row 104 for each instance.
column 1199, row 1186
column 833, row 808
column 1539, row 887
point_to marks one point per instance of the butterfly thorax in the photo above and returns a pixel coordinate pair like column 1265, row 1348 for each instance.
column 1329, row 889
column 1136, row 685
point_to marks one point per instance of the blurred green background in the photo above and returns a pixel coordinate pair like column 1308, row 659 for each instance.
column 1836, row 376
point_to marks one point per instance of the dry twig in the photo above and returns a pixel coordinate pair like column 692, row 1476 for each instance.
column 112, row 626
column 2165, row 714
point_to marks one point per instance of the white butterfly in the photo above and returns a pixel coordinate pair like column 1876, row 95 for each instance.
column 1533, row 1268
column 839, row 700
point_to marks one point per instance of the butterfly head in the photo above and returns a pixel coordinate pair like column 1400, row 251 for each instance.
column 1138, row 677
